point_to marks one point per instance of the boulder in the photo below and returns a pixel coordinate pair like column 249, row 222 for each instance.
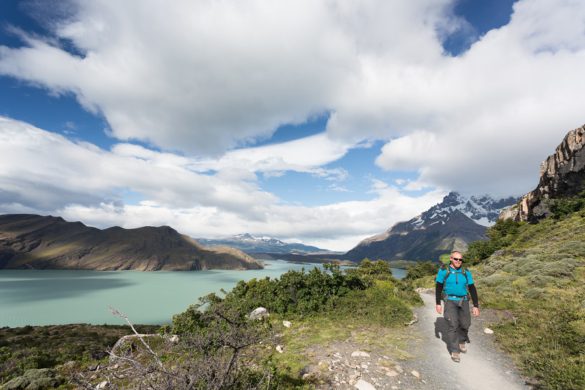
column 363, row 385
column 259, row 313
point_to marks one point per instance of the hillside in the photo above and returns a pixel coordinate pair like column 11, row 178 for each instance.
column 451, row 224
column 39, row 242
column 539, row 279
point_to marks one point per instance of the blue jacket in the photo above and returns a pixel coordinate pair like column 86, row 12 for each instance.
column 454, row 282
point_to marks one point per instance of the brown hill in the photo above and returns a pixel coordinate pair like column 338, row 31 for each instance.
column 39, row 242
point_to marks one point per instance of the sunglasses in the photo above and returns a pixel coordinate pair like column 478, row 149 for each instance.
column 458, row 258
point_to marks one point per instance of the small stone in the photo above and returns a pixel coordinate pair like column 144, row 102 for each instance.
column 415, row 373
column 394, row 387
column 413, row 321
column 363, row 385
column 279, row 348
column 488, row 331
column 398, row 368
column 360, row 354
column 286, row 324
column 174, row 339
column 391, row 373
column 102, row 385
column 70, row 364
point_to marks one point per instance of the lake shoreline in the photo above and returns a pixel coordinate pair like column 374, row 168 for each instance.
column 59, row 297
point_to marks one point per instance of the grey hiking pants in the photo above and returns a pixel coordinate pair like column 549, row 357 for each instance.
column 458, row 317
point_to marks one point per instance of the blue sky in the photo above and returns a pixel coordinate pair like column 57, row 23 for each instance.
column 235, row 119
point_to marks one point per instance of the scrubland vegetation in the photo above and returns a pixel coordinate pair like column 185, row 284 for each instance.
column 539, row 278
column 220, row 347
column 32, row 347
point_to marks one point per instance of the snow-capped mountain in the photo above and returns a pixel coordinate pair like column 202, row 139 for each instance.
column 483, row 210
column 451, row 224
column 264, row 244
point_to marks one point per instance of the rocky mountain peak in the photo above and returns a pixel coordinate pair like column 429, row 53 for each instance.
column 562, row 174
column 451, row 224
column 483, row 209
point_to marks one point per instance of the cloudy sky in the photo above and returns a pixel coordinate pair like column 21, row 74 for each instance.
column 324, row 121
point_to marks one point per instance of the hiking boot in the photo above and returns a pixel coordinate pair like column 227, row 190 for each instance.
column 462, row 347
column 455, row 357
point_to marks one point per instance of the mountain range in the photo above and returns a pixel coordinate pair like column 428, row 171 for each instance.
column 252, row 244
column 449, row 225
column 46, row 242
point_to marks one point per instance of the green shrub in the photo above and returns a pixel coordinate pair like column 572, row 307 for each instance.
column 300, row 292
column 377, row 304
column 563, row 207
column 501, row 235
column 496, row 280
column 368, row 271
column 534, row 293
column 421, row 269
column 539, row 280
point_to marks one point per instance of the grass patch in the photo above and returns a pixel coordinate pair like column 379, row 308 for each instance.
column 310, row 338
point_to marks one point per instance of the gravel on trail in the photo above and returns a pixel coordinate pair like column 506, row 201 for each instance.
column 426, row 363
column 483, row 367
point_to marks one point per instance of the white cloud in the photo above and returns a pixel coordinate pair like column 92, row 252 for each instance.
column 192, row 75
column 44, row 172
column 307, row 154
column 204, row 76
column 484, row 121
column 47, row 171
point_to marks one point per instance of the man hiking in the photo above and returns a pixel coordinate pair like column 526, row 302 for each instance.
column 454, row 285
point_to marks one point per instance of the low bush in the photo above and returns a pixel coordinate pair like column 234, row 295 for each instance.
column 421, row 269
column 563, row 207
column 501, row 235
column 300, row 292
column 36, row 347
column 376, row 305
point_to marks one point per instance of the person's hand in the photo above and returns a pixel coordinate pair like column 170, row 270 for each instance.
column 475, row 311
column 439, row 309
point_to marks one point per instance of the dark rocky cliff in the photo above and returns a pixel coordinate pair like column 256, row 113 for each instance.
column 33, row 241
column 562, row 175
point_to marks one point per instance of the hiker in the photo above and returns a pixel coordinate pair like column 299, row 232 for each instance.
column 454, row 285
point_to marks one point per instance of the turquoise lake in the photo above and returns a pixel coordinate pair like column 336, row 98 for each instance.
column 51, row 297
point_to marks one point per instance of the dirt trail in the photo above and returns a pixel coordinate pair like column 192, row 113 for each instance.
column 482, row 367
column 423, row 362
